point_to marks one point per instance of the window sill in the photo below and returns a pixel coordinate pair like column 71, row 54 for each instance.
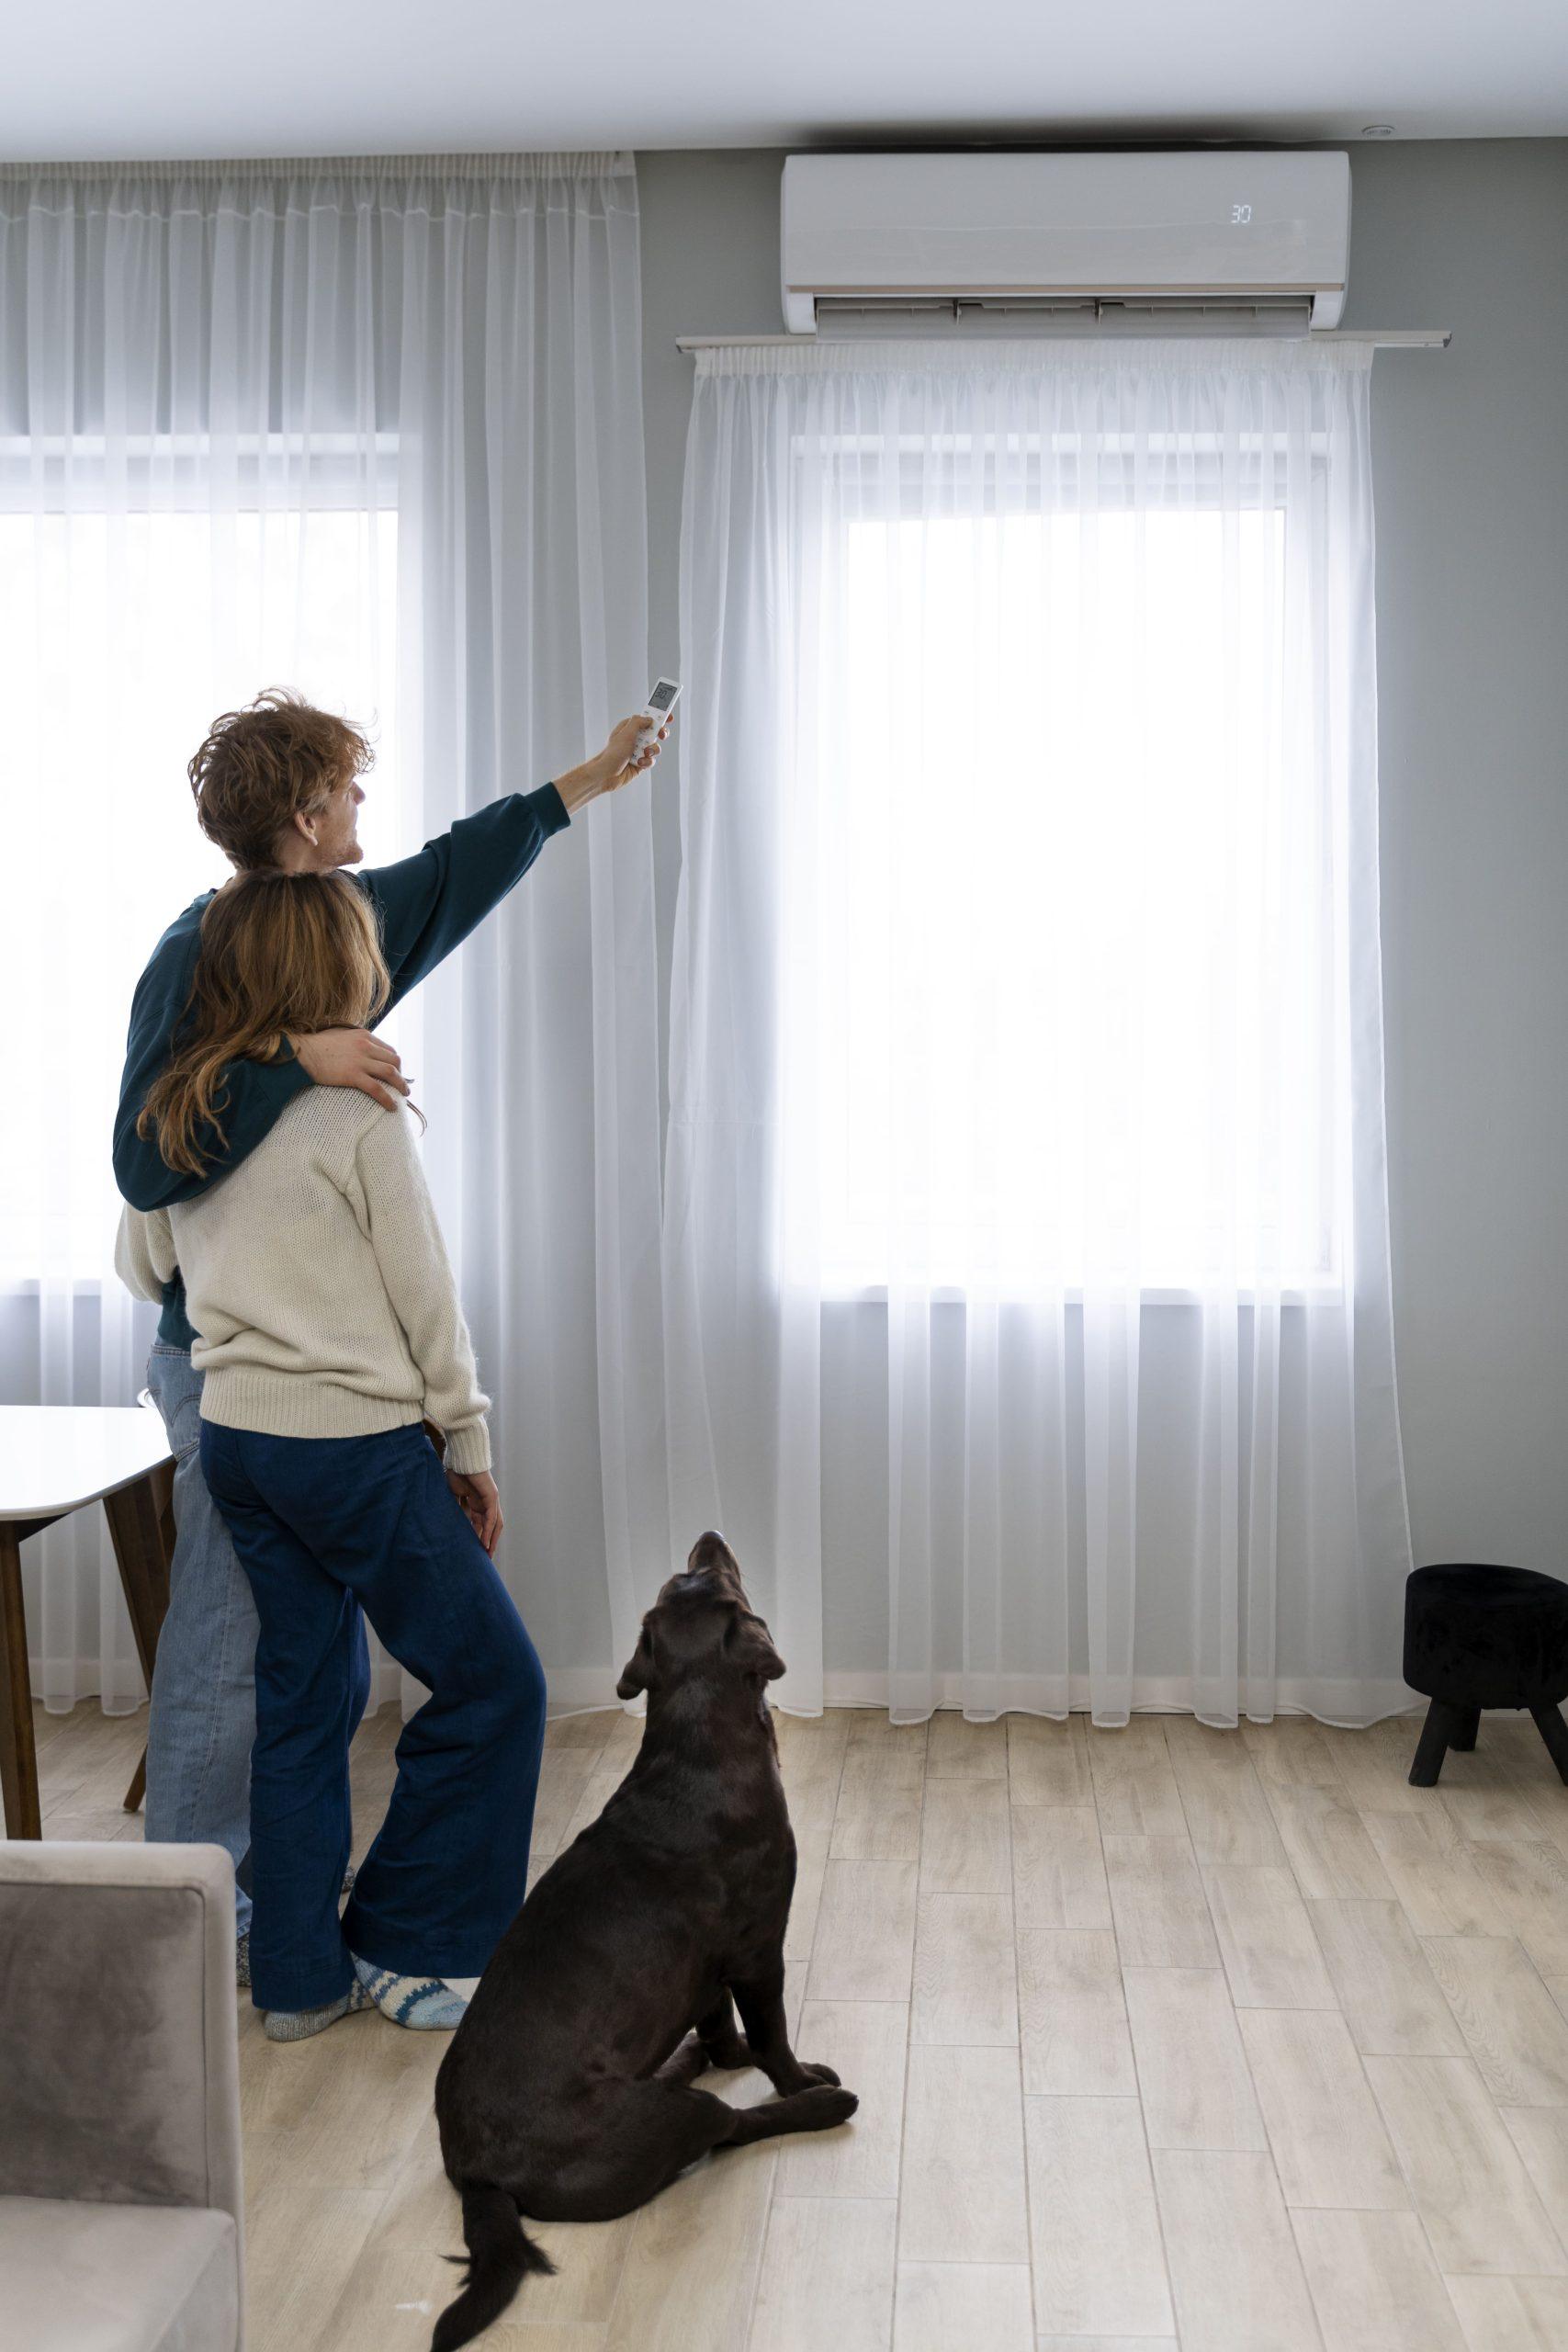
column 1323, row 1294
column 16, row 1284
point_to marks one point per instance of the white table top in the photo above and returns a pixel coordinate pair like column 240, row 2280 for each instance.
column 55, row 1457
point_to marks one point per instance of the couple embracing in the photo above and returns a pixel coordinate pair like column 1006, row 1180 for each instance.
column 311, row 1324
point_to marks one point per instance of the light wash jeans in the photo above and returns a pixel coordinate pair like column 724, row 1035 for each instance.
column 202, row 1720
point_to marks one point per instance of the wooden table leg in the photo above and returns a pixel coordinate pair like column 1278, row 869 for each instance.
column 133, row 1515
column 18, row 1756
column 162, row 1481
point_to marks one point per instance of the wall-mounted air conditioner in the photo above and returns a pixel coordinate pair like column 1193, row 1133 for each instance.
column 1213, row 242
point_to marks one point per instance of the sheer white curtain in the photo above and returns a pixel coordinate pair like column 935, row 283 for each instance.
column 371, row 429
column 1026, row 1157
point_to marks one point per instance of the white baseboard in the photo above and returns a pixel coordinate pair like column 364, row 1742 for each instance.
column 1150, row 1694
column 580, row 1690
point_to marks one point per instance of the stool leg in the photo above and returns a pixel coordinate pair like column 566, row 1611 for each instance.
column 1554, row 1731
column 1463, row 1735
column 1437, row 1738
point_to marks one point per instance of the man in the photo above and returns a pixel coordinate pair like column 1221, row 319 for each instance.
column 277, row 785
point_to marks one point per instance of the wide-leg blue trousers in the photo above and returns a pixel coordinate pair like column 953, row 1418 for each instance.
column 325, row 1528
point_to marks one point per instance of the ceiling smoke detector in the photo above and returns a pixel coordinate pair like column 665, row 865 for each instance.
column 1377, row 130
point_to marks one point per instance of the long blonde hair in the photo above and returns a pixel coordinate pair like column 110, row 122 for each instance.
column 281, row 954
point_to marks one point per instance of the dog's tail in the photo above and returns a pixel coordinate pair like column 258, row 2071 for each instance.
column 501, row 2255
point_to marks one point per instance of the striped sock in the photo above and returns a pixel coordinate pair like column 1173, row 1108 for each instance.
column 298, row 2025
column 426, row 2003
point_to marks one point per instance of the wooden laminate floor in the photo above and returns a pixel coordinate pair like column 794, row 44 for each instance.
column 1162, row 2036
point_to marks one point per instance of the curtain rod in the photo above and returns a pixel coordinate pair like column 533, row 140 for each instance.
column 1382, row 338
column 520, row 163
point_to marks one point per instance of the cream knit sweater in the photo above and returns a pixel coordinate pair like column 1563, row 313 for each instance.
column 318, row 1281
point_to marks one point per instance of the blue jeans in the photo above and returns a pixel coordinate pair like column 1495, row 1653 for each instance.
column 326, row 1528
column 203, row 1714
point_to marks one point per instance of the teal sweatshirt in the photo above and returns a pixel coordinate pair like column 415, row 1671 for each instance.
column 426, row 905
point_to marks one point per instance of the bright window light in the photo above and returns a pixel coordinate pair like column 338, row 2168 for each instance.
column 1057, row 912
column 125, row 636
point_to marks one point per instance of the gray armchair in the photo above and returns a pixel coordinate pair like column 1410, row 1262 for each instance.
column 120, row 2216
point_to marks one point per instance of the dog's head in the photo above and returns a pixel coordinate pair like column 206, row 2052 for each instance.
column 703, row 1627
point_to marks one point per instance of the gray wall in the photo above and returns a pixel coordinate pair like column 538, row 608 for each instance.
column 1470, row 457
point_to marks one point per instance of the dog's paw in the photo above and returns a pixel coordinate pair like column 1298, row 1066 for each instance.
column 828, row 2105
column 819, row 2073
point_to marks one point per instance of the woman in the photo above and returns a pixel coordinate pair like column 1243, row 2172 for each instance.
column 328, row 1329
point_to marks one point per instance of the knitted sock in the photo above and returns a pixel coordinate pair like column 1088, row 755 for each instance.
column 298, row 2025
column 426, row 2003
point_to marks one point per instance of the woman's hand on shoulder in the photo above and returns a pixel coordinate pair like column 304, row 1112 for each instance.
column 476, row 1491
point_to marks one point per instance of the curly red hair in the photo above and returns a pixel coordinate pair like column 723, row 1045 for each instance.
column 261, row 764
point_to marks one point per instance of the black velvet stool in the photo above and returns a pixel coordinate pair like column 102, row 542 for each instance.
column 1480, row 1637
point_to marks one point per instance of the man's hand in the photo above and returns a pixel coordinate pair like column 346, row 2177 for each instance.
column 481, row 1505
column 354, row 1058
column 624, row 756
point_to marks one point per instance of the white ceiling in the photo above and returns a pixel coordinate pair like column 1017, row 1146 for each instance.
column 101, row 79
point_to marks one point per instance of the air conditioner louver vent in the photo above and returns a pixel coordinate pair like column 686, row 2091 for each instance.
column 842, row 320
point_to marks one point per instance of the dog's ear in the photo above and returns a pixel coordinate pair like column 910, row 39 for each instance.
column 749, row 1646
column 638, row 1674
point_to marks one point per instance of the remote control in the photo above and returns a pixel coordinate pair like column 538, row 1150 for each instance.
column 661, row 702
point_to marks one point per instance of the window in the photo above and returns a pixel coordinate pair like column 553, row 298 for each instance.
column 1057, row 917
column 127, row 632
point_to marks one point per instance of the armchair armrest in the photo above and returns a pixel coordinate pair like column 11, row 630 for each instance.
column 118, row 2046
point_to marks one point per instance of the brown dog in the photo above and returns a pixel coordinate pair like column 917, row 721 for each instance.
column 566, row 2093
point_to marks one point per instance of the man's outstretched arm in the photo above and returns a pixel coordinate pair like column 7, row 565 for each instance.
column 430, row 902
